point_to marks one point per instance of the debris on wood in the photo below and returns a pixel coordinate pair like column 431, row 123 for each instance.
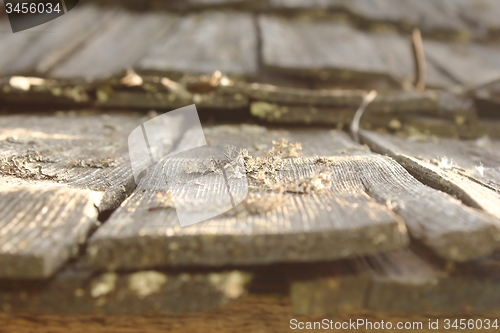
column 19, row 166
column 319, row 182
column 131, row 79
column 257, row 204
column 93, row 163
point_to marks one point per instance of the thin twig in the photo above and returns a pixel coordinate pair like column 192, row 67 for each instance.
column 417, row 46
column 359, row 113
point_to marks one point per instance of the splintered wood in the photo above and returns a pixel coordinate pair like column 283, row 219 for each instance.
column 57, row 174
column 467, row 169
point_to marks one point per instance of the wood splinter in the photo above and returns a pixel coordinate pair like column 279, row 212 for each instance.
column 418, row 53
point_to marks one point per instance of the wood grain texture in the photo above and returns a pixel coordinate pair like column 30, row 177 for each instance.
column 328, row 49
column 468, row 64
column 431, row 103
column 435, row 18
column 343, row 222
column 482, row 16
column 395, row 282
column 58, row 173
column 75, row 290
column 467, row 169
column 438, row 18
column 334, row 48
column 124, row 39
column 206, row 42
column 60, row 39
column 12, row 45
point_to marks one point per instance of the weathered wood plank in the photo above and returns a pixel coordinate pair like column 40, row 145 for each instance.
column 126, row 38
column 432, row 103
column 206, row 42
column 341, row 222
column 61, row 37
column 75, row 290
column 34, row 238
column 396, row 282
column 435, row 18
column 482, row 16
column 468, row 64
column 143, row 234
column 399, row 61
column 12, row 45
column 20, row 91
column 300, row 46
column 467, row 169
column 58, row 173
column 453, row 231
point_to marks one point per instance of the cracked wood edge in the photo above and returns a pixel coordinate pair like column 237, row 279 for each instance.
column 343, row 222
column 61, row 186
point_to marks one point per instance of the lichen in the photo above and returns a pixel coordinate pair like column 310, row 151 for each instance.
column 146, row 283
column 101, row 163
column 232, row 284
column 19, row 166
column 103, row 285
column 268, row 111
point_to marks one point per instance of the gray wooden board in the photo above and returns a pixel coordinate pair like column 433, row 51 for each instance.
column 12, row 45
column 417, row 124
column 482, row 16
column 340, row 223
column 468, row 169
column 468, row 64
column 433, row 17
column 302, row 228
column 123, row 40
column 397, row 53
column 206, row 42
column 396, row 282
column 75, row 290
column 60, row 38
column 433, row 103
column 146, row 100
column 319, row 45
column 300, row 45
column 57, row 173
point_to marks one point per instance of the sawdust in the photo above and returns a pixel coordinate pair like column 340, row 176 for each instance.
column 20, row 166
column 257, row 204
column 93, row 163
column 266, row 189
column 319, row 182
column 285, row 149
